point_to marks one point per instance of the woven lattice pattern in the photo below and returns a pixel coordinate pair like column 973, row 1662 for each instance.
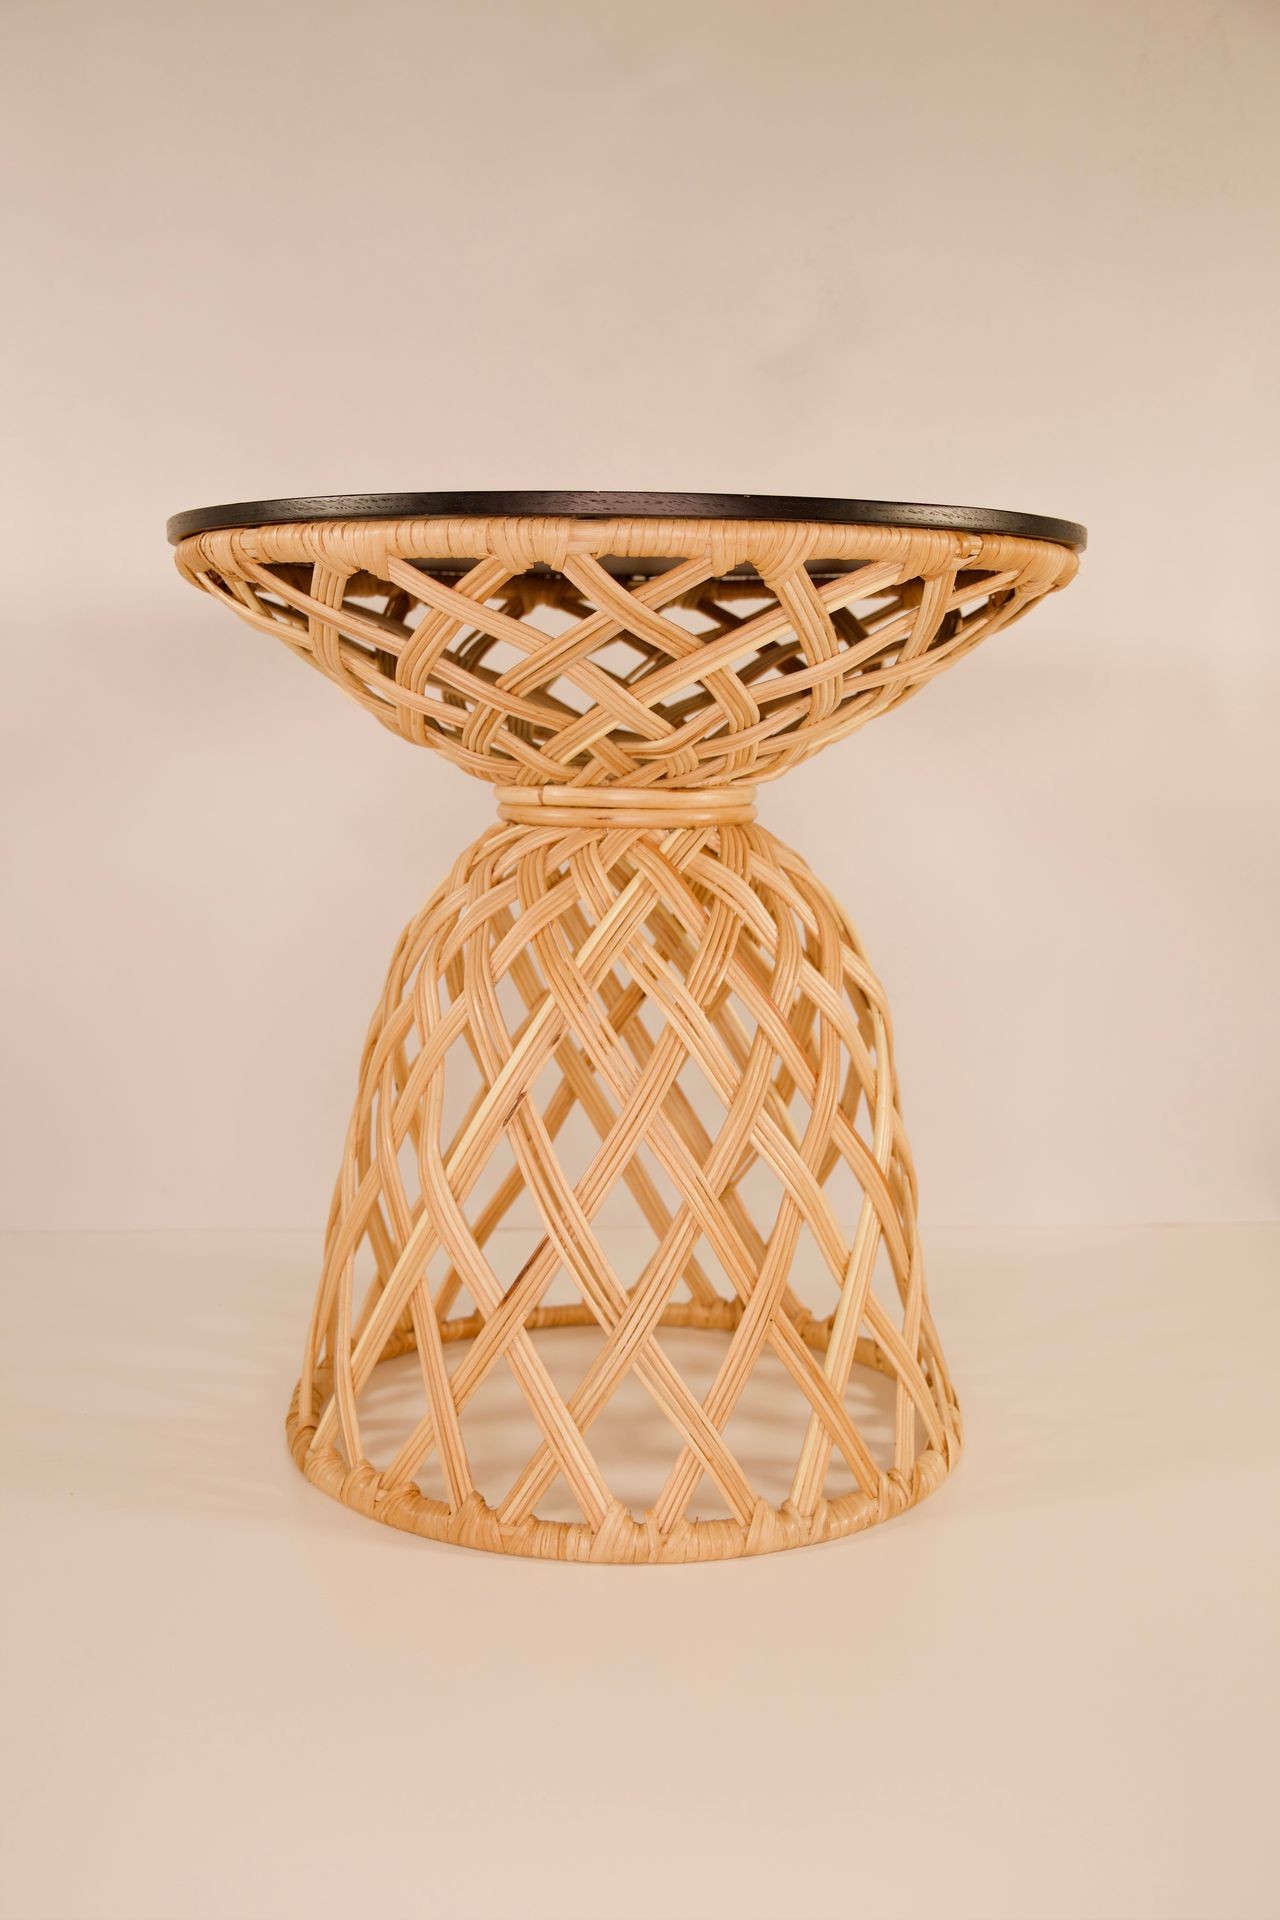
column 627, row 991
column 692, row 653
column 587, row 971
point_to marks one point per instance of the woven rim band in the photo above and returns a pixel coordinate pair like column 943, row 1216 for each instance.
column 556, row 806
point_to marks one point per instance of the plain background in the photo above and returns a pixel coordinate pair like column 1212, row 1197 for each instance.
column 1009, row 255
column 1016, row 255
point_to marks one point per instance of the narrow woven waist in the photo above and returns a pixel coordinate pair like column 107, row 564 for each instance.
column 627, row 806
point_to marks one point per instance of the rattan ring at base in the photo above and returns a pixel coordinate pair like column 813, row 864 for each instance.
column 623, row 1538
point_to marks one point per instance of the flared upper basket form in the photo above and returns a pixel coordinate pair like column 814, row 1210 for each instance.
column 543, row 650
column 630, row 1082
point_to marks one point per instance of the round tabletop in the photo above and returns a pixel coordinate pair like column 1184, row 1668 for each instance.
column 611, row 506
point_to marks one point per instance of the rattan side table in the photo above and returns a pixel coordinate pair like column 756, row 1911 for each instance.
column 626, row 991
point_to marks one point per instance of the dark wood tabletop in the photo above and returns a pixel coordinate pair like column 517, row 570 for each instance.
column 610, row 506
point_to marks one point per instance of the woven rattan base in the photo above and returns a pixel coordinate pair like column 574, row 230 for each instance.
column 659, row 970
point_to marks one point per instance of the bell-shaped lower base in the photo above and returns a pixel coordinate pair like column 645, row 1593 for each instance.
column 633, row 1078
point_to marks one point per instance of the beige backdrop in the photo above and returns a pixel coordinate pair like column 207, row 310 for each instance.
column 1018, row 256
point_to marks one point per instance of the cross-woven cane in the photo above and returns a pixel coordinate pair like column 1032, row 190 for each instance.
column 626, row 994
